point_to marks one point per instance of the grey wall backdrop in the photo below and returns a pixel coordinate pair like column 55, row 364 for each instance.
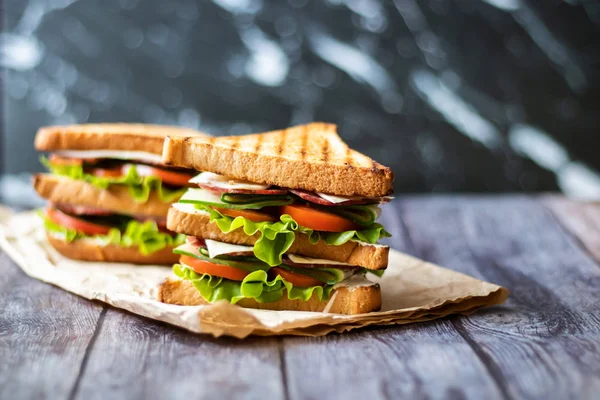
column 465, row 95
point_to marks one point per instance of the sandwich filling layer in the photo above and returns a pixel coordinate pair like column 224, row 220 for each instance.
column 70, row 223
column 222, row 271
column 278, row 214
column 141, row 177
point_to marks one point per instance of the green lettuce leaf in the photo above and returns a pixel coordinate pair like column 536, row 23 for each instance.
column 145, row 235
column 377, row 272
column 277, row 237
column 139, row 186
column 256, row 285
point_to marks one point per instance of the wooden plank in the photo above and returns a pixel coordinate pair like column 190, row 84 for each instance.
column 580, row 218
column 430, row 360
column 546, row 342
column 137, row 358
column 44, row 334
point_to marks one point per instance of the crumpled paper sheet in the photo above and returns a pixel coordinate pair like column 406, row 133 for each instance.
column 413, row 290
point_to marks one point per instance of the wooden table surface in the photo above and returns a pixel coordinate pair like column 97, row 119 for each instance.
column 544, row 343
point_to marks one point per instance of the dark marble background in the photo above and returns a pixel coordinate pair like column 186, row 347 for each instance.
column 461, row 95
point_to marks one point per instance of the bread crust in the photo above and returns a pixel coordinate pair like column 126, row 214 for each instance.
column 89, row 251
column 310, row 157
column 366, row 256
column 60, row 189
column 119, row 136
column 347, row 300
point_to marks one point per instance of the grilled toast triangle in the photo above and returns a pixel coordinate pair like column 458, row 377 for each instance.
column 311, row 157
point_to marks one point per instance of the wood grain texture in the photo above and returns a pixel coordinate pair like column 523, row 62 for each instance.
column 546, row 342
column 580, row 218
column 416, row 361
column 44, row 335
column 429, row 360
column 136, row 358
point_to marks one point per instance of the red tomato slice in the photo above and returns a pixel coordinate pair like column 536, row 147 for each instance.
column 252, row 215
column 205, row 267
column 106, row 172
column 297, row 279
column 80, row 225
column 317, row 219
column 169, row 177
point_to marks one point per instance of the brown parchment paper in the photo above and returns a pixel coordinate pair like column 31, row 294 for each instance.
column 413, row 290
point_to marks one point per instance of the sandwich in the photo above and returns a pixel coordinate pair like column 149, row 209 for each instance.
column 283, row 220
column 109, row 192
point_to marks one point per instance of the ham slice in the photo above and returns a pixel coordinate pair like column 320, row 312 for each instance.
column 316, row 199
column 82, row 210
column 216, row 189
column 195, row 241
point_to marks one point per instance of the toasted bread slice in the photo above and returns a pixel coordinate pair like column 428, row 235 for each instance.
column 344, row 299
column 87, row 250
column 197, row 223
column 60, row 189
column 120, row 136
column 311, row 157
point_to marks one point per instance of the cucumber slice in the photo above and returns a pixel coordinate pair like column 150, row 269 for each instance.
column 330, row 276
column 205, row 197
column 364, row 215
column 238, row 199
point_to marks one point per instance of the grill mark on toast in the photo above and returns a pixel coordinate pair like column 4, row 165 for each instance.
column 259, row 143
column 281, row 146
column 303, row 151
column 325, row 151
column 235, row 145
column 348, row 157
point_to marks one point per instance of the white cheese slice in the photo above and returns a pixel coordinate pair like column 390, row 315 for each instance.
column 197, row 178
column 118, row 154
column 349, row 273
column 376, row 209
column 336, row 199
column 361, row 243
column 188, row 209
column 354, row 281
column 219, row 248
column 187, row 247
column 224, row 182
column 341, row 199
column 202, row 195
column 309, row 260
